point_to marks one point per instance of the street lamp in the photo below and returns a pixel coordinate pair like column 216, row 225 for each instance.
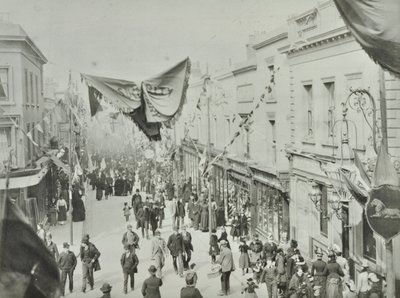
column 315, row 195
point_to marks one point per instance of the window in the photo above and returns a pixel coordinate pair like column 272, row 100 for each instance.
column 4, row 84
column 31, row 88
column 308, row 100
column 369, row 242
column 245, row 93
column 330, row 100
column 28, row 142
column 26, row 87
column 5, row 146
column 273, row 139
column 323, row 219
column 37, row 90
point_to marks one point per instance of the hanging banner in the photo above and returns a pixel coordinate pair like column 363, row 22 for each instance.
column 375, row 25
column 149, row 103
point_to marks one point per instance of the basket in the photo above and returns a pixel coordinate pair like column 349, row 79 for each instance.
column 215, row 272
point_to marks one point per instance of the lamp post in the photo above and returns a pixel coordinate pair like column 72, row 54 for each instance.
column 315, row 195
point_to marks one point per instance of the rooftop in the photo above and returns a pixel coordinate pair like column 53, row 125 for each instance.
column 14, row 32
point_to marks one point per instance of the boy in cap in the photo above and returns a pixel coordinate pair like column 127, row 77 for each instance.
column 190, row 291
column 106, row 289
column 67, row 263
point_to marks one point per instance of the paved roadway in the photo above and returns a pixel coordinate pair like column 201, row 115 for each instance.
column 106, row 224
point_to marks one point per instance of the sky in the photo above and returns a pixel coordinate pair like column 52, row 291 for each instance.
column 136, row 39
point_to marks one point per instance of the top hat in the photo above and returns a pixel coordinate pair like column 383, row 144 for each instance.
column 106, row 288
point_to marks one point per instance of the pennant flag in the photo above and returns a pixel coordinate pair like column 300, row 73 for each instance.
column 362, row 175
column 360, row 195
column 26, row 265
column 29, row 136
column 375, row 25
column 203, row 164
column 46, row 119
column 385, row 173
column 39, row 127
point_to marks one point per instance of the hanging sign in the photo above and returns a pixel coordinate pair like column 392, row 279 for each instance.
column 383, row 211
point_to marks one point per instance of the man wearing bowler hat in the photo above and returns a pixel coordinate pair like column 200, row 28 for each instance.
column 67, row 264
column 89, row 257
column 106, row 289
column 151, row 286
column 129, row 263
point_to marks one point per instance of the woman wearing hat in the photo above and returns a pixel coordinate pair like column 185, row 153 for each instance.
column 244, row 259
column 151, row 286
column 106, row 289
column 362, row 282
column 317, row 271
column 333, row 273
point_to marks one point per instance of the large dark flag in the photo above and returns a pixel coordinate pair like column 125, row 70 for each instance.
column 375, row 25
column 27, row 269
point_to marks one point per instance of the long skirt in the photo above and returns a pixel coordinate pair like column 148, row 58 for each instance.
column 334, row 288
column 204, row 221
column 320, row 281
column 62, row 213
column 78, row 210
column 99, row 194
column 244, row 260
column 196, row 221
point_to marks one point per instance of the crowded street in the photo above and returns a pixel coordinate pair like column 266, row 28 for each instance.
column 193, row 149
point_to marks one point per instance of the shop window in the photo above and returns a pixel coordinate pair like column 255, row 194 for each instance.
column 369, row 242
column 323, row 219
column 4, row 87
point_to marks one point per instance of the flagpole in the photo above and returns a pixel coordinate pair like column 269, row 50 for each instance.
column 390, row 275
column 208, row 156
column 71, row 228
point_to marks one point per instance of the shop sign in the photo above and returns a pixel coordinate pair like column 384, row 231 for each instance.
column 383, row 211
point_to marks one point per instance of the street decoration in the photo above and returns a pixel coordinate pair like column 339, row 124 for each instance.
column 374, row 24
column 150, row 103
column 383, row 206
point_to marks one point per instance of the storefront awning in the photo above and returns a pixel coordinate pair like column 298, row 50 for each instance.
column 24, row 181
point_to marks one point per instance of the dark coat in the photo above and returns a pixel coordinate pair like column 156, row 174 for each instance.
column 129, row 264
column 175, row 244
column 151, row 287
column 180, row 210
column 190, row 292
column 67, row 261
column 214, row 247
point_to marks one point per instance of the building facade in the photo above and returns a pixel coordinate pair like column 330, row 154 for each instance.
column 284, row 158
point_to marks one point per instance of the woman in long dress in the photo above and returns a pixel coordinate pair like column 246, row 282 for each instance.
column 62, row 210
column 333, row 272
column 204, row 217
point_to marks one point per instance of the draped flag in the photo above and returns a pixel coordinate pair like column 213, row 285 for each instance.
column 27, row 268
column 375, row 25
column 148, row 103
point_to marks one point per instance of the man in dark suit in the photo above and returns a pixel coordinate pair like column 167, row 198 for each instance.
column 136, row 201
column 89, row 257
column 129, row 263
column 67, row 263
column 227, row 266
column 151, row 286
column 176, row 247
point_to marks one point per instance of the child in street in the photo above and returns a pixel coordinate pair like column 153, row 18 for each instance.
column 127, row 211
column 214, row 247
column 249, row 289
column 244, row 259
column 257, row 270
column 270, row 277
column 192, row 273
